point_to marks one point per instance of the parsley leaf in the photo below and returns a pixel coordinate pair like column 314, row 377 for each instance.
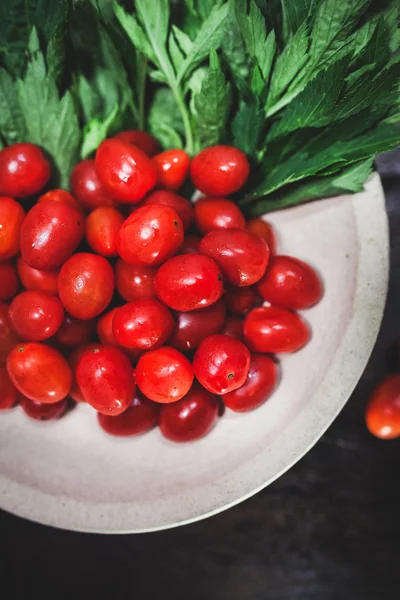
column 12, row 123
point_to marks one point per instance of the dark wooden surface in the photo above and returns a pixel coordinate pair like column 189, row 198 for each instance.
column 329, row 529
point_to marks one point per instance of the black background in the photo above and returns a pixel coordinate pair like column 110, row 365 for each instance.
column 328, row 529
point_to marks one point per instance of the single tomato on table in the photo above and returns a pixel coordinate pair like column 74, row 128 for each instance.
column 181, row 206
column 142, row 324
column 8, row 281
column 35, row 316
column 11, row 218
column 273, row 329
column 172, row 168
column 217, row 213
column 194, row 326
column 24, row 170
column 42, row 280
column 219, row 170
column 139, row 417
column 260, row 383
column 87, row 188
column 164, row 375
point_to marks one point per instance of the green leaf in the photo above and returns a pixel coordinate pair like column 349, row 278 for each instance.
column 95, row 132
column 165, row 121
column 233, row 46
column 12, row 124
column 184, row 41
column 247, row 127
column 294, row 14
column 377, row 51
column 260, row 46
column 55, row 53
column 134, row 31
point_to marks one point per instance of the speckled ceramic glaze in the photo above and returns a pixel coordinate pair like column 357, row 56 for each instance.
column 70, row 474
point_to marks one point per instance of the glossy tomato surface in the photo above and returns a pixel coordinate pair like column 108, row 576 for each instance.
column 188, row 282
column 194, row 326
column 141, row 139
column 41, row 411
column 150, row 235
column 144, row 324
column 190, row 418
column 102, row 228
column 35, row 315
column 60, row 196
column 219, row 170
column 274, row 329
column 87, row 187
column 264, row 230
column 11, row 218
column 382, row 415
column 134, row 282
column 73, row 360
column 164, row 375
column 172, row 168
column 126, row 172
column 86, row 285
column 8, row 337
column 8, row 281
column 234, row 327
column 8, row 392
column 260, row 383
column 241, row 255
column 181, row 206
column 74, row 332
column 240, row 300
column 37, row 279
column 217, row 213
column 139, row 417
column 24, row 170
column 39, row 372
column 50, row 233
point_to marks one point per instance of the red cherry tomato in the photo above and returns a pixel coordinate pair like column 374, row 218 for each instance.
column 141, row 139
column 290, row 283
column 382, row 415
column 60, row 196
column 8, row 338
column 164, row 375
column 221, row 363
column 35, row 316
column 259, row 385
column 190, row 418
column 217, row 213
column 50, row 233
column 73, row 360
column 8, row 281
column 41, row 411
column 74, row 332
column 86, row 285
column 107, row 337
column 219, row 170
column 39, row 372
column 181, row 206
column 24, row 170
column 87, row 187
column 133, row 282
column 139, row 417
column 37, row 279
column 106, row 379
column 240, row 300
column 273, row 329
column 11, row 219
column 126, row 172
column 194, row 326
column 234, row 328
column 188, row 282
column 8, row 392
column 144, row 324
column 242, row 256
column 102, row 227
column 265, row 231
column 190, row 244
column 172, row 168
column 150, row 235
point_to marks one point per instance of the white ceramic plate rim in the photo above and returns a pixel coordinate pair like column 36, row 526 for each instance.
column 242, row 483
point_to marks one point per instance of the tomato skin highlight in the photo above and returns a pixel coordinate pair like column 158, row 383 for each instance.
column 273, row 329
column 138, row 418
column 133, row 282
column 219, row 170
column 35, row 316
column 43, row 412
column 39, row 372
column 265, row 231
column 382, row 415
column 24, row 170
column 143, row 324
column 217, row 213
column 188, row 282
column 194, row 326
column 8, row 337
column 172, row 168
column 191, row 418
column 42, row 280
column 290, row 283
column 164, row 375
column 12, row 216
column 87, row 188
column 8, row 392
column 221, row 364
column 102, row 228
column 8, row 281
column 143, row 140
column 260, row 383
column 180, row 205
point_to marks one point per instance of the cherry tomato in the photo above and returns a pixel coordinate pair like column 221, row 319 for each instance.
column 87, row 187
column 39, row 372
column 150, row 235
column 37, row 279
column 221, row 363
column 106, row 379
column 242, row 256
column 164, row 375
column 102, row 227
column 146, row 142
column 11, row 219
column 24, row 170
column 265, row 231
column 219, row 170
column 274, row 329
column 134, row 282
column 86, row 285
column 139, row 417
column 41, row 411
column 382, row 415
column 260, row 383
column 60, row 196
column 234, row 328
column 73, row 360
column 290, row 283
column 50, row 233
column 181, row 206
column 240, row 300
column 8, row 281
column 194, row 326
column 172, row 168
column 74, row 332
column 8, row 392
column 217, row 213
column 107, row 337
column 190, row 418
column 190, row 244
column 35, row 316
column 144, row 324
column 126, row 172
column 8, row 338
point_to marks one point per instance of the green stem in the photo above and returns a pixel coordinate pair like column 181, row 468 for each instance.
column 185, row 118
column 142, row 91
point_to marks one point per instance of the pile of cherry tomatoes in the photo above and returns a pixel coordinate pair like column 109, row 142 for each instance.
column 125, row 295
